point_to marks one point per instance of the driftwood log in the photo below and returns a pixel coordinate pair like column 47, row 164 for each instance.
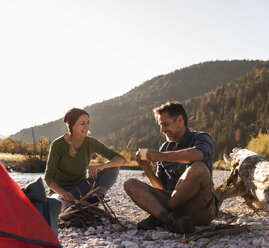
column 249, row 179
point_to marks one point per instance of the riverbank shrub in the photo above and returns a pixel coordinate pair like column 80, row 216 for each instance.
column 260, row 144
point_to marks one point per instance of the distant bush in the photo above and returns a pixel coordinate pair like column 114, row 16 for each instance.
column 40, row 148
column 129, row 156
column 99, row 160
column 260, row 145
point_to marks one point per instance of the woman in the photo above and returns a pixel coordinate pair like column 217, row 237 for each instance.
column 69, row 159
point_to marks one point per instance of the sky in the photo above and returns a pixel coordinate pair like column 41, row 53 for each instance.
column 59, row 54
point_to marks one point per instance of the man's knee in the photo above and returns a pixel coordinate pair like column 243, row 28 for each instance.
column 131, row 184
column 198, row 171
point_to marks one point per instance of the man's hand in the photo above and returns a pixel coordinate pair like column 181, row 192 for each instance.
column 144, row 164
column 155, row 156
column 94, row 169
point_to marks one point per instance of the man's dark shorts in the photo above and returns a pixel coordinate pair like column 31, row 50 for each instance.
column 202, row 207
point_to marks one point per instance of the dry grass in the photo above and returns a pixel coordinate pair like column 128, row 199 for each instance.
column 221, row 165
column 12, row 157
column 131, row 163
column 99, row 161
column 218, row 165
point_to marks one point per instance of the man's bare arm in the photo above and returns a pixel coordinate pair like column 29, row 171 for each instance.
column 187, row 155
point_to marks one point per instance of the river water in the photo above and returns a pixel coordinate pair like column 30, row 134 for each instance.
column 21, row 178
column 25, row 178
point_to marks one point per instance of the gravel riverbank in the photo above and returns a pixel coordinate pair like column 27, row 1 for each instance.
column 232, row 212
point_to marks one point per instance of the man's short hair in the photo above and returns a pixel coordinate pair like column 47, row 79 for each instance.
column 174, row 109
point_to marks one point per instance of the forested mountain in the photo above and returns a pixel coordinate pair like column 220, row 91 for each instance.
column 231, row 114
column 213, row 93
column 234, row 113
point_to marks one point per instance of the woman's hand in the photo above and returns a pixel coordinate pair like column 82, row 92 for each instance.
column 94, row 169
column 67, row 196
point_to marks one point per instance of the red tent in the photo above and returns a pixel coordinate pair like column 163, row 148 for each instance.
column 21, row 225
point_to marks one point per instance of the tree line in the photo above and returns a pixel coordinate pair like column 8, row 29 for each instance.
column 232, row 114
column 39, row 148
column 227, row 99
column 258, row 144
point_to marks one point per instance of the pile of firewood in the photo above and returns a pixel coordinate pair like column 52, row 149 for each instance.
column 83, row 214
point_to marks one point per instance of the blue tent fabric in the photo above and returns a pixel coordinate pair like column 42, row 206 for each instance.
column 49, row 208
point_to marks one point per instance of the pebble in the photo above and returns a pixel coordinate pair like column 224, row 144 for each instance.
column 91, row 229
column 128, row 244
column 257, row 242
column 110, row 235
column 148, row 243
column 160, row 235
column 78, row 240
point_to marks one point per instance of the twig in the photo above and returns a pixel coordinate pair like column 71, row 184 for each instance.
column 217, row 231
column 89, row 193
column 69, row 212
column 82, row 211
column 111, row 215
column 109, row 208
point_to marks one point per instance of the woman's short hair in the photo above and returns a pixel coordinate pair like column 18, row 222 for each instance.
column 173, row 108
column 72, row 116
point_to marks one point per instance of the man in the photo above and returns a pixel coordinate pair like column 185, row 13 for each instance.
column 182, row 191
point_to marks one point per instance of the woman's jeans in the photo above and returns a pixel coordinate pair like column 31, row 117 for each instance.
column 105, row 179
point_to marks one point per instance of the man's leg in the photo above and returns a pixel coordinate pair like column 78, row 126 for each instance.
column 142, row 195
column 195, row 177
column 176, row 219
column 154, row 201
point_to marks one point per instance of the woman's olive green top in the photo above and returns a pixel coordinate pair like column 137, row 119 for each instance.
column 68, row 171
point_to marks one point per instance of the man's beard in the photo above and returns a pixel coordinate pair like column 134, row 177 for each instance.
column 170, row 138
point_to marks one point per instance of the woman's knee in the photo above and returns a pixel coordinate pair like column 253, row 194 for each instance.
column 107, row 175
column 111, row 171
column 106, row 178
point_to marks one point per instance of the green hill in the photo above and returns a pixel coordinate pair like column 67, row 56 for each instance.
column 127, row 122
